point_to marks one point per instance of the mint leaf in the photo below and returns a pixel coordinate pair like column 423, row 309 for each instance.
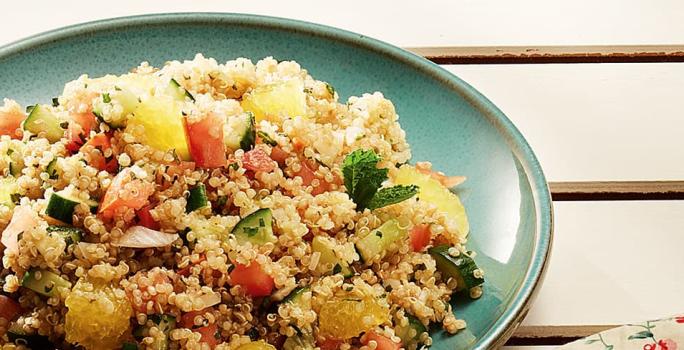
column 392, row 195
column 362, row 178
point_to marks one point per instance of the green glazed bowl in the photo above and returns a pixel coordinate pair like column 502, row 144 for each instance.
column 446, row 122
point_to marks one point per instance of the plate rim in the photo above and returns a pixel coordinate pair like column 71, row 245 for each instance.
column 504, row 327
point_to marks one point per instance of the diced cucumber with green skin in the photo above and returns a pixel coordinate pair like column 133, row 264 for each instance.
column 43, row 120
column 410, row 334
column 124, row 97
column 178, row 92
column 197, row 198
column 256, row 228
column 61, row 206
column 165, row 323
column 376, row 244
column 324, row 246
column 295, row 295
column 129, row 346
column 51, row 169
column 44, row 282
column 301, row 341
column 240, row 132
column 16, row 335
column 8, row 190
column 71, row 235
column 461, row 267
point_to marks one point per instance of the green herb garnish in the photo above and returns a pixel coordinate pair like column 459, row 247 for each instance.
column 106, row 98
column 363, row 180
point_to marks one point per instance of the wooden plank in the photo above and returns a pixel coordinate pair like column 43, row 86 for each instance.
column 592, row 122
column 551, row 54
column 617, row 190
column 612, row 263
column 553, row 335
column 409, row 23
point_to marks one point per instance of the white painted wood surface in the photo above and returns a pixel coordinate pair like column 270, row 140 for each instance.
column 612, row 262
column 406, row 23
column 593, row 121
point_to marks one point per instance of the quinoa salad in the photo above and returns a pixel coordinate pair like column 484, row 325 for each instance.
column 235, row 205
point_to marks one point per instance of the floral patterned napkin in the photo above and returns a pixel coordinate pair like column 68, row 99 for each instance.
column 663, row 334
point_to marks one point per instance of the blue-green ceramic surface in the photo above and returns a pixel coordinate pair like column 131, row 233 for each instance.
column 446, row 122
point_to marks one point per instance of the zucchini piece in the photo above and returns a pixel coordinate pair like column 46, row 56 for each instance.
column 301, row 341
column 295, row 296
column 410, row 334
column 178, row 92
column 123, row 97
column 377, row 243
column 71, row 235
column 165, row 323
column 43, row 120
column 51, row 169
column 44, row 282
column 18, row 336
column 256, row 228
column 240, row 132
column 61, row 206
column 8, row 191
column 329, row 263
column 197, row 198
column 461, row 267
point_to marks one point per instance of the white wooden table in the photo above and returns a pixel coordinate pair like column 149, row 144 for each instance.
column 613, row 261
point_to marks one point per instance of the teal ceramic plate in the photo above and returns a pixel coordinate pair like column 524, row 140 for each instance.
column 446, row 121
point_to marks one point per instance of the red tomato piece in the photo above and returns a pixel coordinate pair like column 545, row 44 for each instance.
column 9, row 309
column 102, row 143
column 279, row 155
column 125, row 191
column 308, row 174
column 329, row 344
column 383, row 342
column 146, row 219
column 79, row 129
column 257, row 160
column 208, row 332
column 186, row 270
column 253, row 279
column 420, row 237
column 205, row 138
column 10, row 124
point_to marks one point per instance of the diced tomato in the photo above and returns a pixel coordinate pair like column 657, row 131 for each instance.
column 253, row 279
column 23, row 219
column 78, row 130
column 146, row 219
column 308, row 174
column 186, row 270
column 208, row 332
column 10, row 124
column 420, row 237
column 298, row 145
column 383, row 342
column 279, row 155
column 102, row 143
column 9, row 309
column 205, row 138
column 257, row 160
column 125, row 191
column 178, row 169
column 329, row 344
column 209, row 335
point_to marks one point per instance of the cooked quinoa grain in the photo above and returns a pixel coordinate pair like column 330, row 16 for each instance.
column 236, row 205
